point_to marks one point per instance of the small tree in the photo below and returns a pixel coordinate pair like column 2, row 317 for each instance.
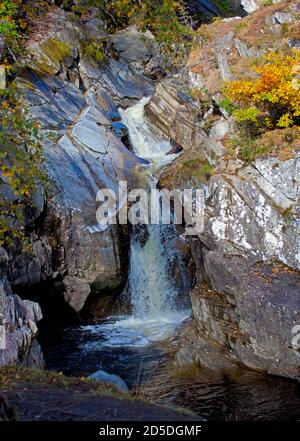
column 20, row 165
column 271, row 98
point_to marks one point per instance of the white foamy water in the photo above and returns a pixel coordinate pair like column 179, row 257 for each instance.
column 151, row 289
column 146, row 144
column 129, row 331
column 152, row 292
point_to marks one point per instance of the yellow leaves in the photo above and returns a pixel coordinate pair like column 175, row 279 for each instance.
column 239, row 89
column 273, row 91
column 20, row 167
column 285, row 121
column 7, row 173
column 5, row 105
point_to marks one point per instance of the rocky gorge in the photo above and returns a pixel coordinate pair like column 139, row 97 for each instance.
column 241, row 272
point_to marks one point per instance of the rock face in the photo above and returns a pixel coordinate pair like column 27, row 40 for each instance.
column 243, row 312
column 174, row 115
column 18, row 325
column 245, row 301
column 75, row 100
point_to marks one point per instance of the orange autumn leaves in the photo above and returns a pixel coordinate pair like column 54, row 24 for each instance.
column 271, row 96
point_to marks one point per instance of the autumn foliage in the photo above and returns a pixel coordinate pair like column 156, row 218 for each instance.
column 20, row 165
column 166, row 19
column 271, row 97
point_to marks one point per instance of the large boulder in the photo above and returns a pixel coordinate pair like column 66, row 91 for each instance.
column 173, row 114
column 140, row 50
column 112, row 379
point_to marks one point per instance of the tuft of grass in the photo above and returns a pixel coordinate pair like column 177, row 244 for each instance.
column 13, row 376
column 195, row 169
column 94, row 50
column 56, row 50
column 282, row 143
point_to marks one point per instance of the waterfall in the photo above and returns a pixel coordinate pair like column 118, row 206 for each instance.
column 155, row 296
column 152, row 291
column 146, row 144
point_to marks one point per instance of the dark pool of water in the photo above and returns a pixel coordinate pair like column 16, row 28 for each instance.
column 81, row 353
column 234, row 395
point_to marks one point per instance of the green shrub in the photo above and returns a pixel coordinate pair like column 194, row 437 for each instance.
column 20, row 165
column 94, row 50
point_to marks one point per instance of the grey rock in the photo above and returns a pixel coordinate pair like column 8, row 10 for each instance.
column 2, row 45
column 250, row 5
column 140, row 50
column 220, row 129
column 214, row 150
column 119, row 78
column 133, row 46
column 18, row 321
column 123, row 82
column 223, row 46
column 29, row 270
column 95, row 28
column 115, row 380
column 247, row 314
column 242, row 48
column 2, row 77
column 282, row 18
column 83, row 155
column 173, row 115
column 240, row 214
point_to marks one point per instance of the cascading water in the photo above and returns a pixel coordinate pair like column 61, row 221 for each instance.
column 153, row 293
column 151, row 290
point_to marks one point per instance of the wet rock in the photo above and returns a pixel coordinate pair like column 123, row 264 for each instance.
column 175, row 148
column 141, row 234
column 7, row 412
column 83, row 155
column 114, row 380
